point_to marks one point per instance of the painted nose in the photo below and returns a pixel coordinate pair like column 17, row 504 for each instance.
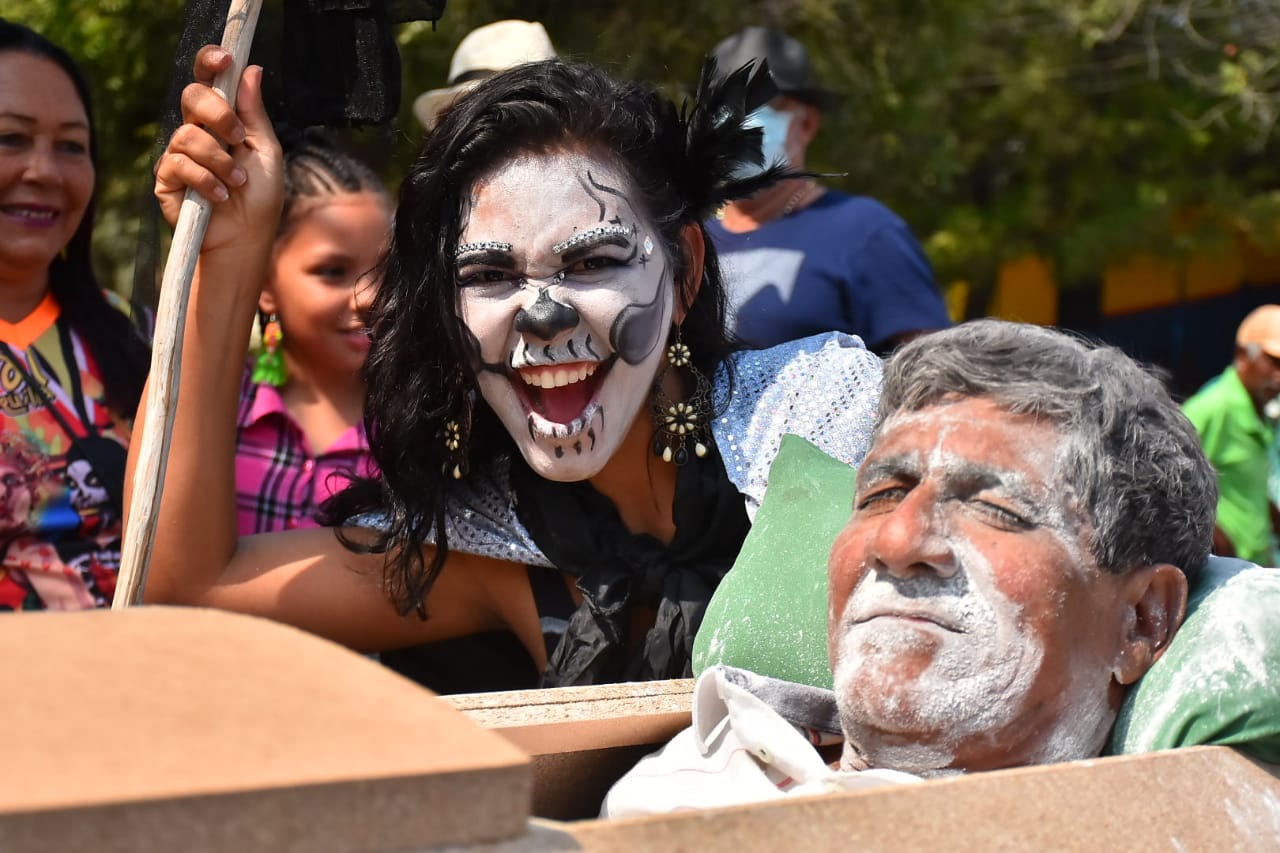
column 546, row 317
column 912, row 539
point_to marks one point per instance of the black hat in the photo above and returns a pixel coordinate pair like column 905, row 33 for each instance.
column 788, row 63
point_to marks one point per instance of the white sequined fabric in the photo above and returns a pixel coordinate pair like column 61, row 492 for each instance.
column 824, row 389
column 482, row 518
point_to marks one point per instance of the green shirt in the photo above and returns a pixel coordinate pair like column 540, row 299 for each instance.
column 1236, row 441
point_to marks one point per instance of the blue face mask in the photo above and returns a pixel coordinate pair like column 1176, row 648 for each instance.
column 774, row 124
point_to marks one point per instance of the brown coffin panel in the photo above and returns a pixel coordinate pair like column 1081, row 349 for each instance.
column 192, row 729
column 582, row 738
column 1195, row 799
column 570, row 719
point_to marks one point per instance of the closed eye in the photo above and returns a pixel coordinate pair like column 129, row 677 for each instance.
column 881, row 496
column 1003, row 515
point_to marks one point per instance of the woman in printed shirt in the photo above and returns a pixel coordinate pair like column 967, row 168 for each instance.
column 300, row 435
column 72, row 364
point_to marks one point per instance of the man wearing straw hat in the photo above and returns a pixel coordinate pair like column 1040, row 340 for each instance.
column 483, row 52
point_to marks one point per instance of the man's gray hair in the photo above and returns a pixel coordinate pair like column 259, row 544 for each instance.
column 1130, row 456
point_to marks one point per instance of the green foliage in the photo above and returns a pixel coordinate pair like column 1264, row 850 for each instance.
column 1082, row 130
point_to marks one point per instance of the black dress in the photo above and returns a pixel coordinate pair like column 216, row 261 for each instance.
column 616, row 571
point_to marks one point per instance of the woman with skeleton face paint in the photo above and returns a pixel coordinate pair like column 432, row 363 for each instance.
column 571, row 450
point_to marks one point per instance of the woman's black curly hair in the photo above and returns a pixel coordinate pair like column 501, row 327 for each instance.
column 681, row 167
column 118, row 344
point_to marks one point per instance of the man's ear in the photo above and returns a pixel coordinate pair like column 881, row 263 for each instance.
column 1155, row 603
column 808, row 121
column 695, row 249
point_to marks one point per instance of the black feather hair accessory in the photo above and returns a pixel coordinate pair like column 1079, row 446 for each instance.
column 717, row 143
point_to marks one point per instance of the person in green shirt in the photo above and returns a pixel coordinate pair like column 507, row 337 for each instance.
column 1230, row 414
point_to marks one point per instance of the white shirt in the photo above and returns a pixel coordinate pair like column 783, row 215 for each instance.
column 741, row 749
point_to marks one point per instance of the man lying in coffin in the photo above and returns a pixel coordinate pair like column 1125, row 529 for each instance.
column 1018, row 555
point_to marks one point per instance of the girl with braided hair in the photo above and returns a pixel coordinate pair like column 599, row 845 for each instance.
column 570, row 445
column 300, row 434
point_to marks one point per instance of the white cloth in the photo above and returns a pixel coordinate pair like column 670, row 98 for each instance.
column 741, row 749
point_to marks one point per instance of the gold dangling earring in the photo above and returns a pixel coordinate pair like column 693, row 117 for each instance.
column 456, row 433
column 679, row 423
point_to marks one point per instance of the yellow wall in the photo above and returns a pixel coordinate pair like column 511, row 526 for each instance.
column 1145, row 281
column 956, row 295
column 1026, row 290
column 1260, row 266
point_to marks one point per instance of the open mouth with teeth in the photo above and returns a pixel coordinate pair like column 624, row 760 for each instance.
column 30, row 214
column 559, row 395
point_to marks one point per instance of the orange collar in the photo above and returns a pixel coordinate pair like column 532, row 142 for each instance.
column 25, row 332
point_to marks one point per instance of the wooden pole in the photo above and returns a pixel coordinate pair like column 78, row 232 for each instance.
column 166, row 347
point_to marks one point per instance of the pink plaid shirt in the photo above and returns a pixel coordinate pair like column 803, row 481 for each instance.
column 280, row 484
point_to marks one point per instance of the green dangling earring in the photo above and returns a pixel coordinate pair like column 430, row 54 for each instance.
column 268, row 367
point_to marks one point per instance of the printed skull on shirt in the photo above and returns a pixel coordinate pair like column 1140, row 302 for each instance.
column 59, row 524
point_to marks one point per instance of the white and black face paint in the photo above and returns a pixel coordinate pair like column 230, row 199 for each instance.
column 87, row 491
column 567, row 295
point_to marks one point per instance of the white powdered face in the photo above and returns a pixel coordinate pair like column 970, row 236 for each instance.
column 568, row 296
column 980, row 669
column 969, row 624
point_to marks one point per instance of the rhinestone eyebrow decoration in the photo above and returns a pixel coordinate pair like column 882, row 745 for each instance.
column 489, row 246
column 590, row 234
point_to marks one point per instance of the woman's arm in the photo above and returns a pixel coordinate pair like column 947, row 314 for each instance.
column 306, row 578
column 310, row 580
column 195, row 535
